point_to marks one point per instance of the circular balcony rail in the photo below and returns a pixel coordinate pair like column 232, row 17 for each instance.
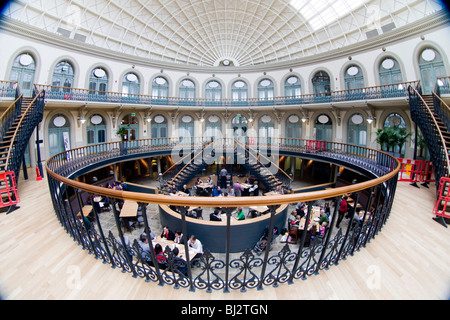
column 225, row 271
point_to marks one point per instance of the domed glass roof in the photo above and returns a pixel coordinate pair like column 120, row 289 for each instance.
column 220, row 32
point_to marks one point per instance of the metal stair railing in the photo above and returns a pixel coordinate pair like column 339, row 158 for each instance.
column 12, row 112
column 422, row 114
column 30, row 118
column 263, row 176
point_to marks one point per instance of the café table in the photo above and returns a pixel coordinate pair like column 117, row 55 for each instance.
column 129, row 209
column 86, row 210
column 172, row 245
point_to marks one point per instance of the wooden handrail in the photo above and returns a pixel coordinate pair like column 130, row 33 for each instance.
column 17, row 129
column 9, row 108
column 199, row 153
column 279, row 169
column 229, row 201
column 437, row 128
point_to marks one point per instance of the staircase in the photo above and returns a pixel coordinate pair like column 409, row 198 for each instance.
column 17, row 133
column 271, row 181
column 434, row 130
column 182, row 174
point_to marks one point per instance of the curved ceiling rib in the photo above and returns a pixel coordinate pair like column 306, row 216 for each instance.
column 201, row 32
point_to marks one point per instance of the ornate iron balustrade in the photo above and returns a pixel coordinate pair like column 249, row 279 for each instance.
column 8, row 89
column 226, row 272
column 13, row 111
column 440, row 106
column 396, row 90
column 442, row 85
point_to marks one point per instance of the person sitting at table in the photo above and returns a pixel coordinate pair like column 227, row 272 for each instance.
column 323, row 228
column 230, row 191
column 240, row 214
column 160, row 258
column 167, row 234
column 237, row 189
column 292, row 218
column 217, row 192
column 185, row 189
column 280, row 190
column 178, row 237
column 296, row 222
column 179, row 264
column 215, row 216
column 255, row 189
column 143, row 243
column 301, row 211
column 327, row 209
column 209, row 181
column 323, row 216
column 196, row 246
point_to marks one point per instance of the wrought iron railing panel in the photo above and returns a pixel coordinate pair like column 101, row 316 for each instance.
column 251, row 268
column 396, row 90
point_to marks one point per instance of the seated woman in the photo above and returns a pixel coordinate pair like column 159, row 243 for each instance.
column 240, row 214
column 162, row 261
column 167, row 234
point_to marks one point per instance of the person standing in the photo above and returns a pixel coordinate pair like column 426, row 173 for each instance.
column 223, row 178
column 343, row 208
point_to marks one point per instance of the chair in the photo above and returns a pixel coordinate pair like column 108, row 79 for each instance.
column 199, row 213
column 293, row 235
column 140, row 217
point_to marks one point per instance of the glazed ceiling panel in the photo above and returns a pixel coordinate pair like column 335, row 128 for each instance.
column 206, row 32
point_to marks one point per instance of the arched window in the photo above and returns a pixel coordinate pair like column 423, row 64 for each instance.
column 266, row 129
column 357, row 130
column 96, row 129
column 239, row 93
column 187, row 92
column 293, row 129
column 354, row 78
column 186, row 128
column 323, row 128
column 159, row 130
column 213, row 93
column 395, row 120
column 265, row 92
column 22, row 72
column 160, row 90
column 213, row 127
column 131, row 123
column 321, row 87
column 239, row 125
column 292, row 90
column 58, row 134
column 63, row 76
column 389, row 71
column 131, row 84
column 98, row 83
column 431, row 67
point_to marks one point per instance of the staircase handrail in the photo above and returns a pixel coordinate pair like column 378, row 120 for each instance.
column 440, row 106
column 199, row 153
column 436, row 127
column 19, row 126
column 279, row 169
column 13, row 110
column 245, row 148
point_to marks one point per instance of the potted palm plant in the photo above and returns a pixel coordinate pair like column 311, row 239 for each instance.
column 391, row 137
